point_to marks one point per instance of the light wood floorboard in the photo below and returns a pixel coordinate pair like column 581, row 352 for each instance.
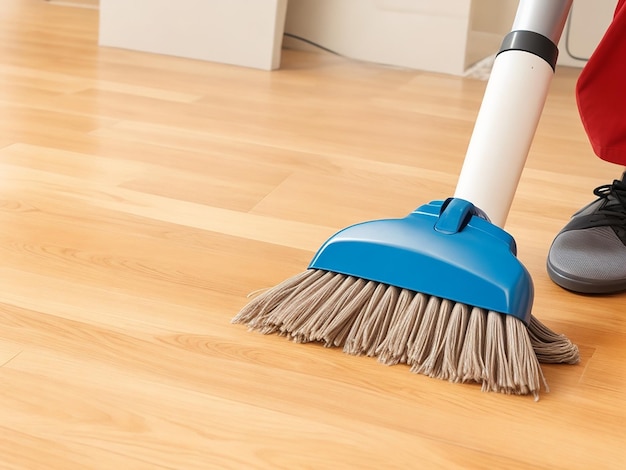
column 143, row 197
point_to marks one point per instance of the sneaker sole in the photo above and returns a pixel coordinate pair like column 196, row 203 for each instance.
column 585, row 286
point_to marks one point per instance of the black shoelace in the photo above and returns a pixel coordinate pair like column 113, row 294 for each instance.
column 614, row 196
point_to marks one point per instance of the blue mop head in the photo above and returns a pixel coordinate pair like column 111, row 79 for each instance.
column 445, row 248
column 440, row 290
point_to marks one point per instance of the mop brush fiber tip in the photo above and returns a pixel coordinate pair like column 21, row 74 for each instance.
column 435, row 337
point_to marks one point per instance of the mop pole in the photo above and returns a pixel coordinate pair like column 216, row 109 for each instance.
column 511, row 107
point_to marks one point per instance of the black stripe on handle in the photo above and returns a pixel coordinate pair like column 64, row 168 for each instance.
column 532, row 42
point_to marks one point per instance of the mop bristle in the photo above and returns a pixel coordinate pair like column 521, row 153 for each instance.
column 435, row 337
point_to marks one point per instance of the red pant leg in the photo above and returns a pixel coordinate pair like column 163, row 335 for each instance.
column 601, row 92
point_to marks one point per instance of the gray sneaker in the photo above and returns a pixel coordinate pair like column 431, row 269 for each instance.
column 589, row 254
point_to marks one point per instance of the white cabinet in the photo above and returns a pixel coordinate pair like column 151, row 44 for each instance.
column 418, row 34
column 240, row 32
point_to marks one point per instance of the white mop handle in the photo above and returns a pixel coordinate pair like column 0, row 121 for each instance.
column 503, row 132
column 509, row 114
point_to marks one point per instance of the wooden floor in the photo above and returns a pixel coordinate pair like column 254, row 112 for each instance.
column 142, row 198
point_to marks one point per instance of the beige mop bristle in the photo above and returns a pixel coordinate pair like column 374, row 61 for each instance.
column 435, row 337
